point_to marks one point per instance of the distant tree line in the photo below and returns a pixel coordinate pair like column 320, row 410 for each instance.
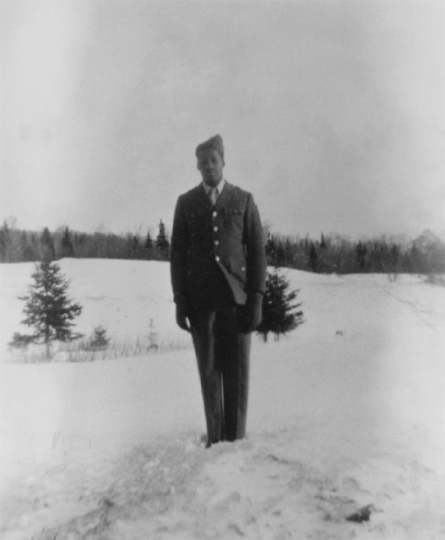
column 336, row 254
column 25, row 246
column 328, row 254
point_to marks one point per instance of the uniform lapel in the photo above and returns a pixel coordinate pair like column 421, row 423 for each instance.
column 224, row 196
column 201, row 196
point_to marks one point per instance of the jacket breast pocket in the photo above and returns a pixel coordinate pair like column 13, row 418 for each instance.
column 233, row 221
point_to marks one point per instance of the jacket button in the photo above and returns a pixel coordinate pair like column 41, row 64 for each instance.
column 216, row 242
column 215, row 214
column 215, row 228
column 217, row 258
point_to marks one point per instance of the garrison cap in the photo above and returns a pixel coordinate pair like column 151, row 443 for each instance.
column 214, row 143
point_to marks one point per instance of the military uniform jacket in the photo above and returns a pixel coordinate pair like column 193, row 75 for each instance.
column 227, row 238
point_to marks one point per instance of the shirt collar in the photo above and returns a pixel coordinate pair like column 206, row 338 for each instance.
column 219, row 187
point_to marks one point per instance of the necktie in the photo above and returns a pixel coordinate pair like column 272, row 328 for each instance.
column 213, row 194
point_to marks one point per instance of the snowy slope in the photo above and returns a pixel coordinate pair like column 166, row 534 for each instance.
column 345, row 412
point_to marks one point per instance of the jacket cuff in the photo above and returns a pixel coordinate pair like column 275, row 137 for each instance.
column 255, row 297
column 252, row 293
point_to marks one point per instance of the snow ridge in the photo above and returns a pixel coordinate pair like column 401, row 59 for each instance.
column 346, row 420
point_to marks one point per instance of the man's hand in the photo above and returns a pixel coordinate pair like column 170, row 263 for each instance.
column 254, row 312
column 181, row 318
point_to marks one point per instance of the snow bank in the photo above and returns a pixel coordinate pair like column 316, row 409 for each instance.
column 131, row 299
column 345, row 413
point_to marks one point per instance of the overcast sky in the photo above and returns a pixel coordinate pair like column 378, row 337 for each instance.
column 332, row 112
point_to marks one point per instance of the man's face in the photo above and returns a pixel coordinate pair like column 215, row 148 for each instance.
column 210, row 165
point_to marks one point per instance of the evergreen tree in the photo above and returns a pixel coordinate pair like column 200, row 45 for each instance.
column 134, row 248
column 394, row 257
column 48, row 309
column 271, row 250
column 99, row 340
column 279, row 316
column 288, row 253
column 47, row 246
column 149, row 242
column 26, row 249
column 313, row 258
column 280, row 254
column 5, row 242
column 361, row 252
column 162, row 243
column 66, row 245
column 110, row 248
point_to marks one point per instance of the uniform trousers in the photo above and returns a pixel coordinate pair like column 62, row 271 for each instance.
column 222, row 352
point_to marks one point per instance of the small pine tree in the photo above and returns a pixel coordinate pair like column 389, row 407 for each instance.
column 5, row 242
column 361, row 253
column 313, row 258
column 394, row 257
column 148, row 241
column 280, row 254
column 66, row 245
column 99, row 340
column 162, row 243
column 134, row 248
column 47, row 245
column 26, row 249
column 271, row 249
column 279, row 316
column 47, row 308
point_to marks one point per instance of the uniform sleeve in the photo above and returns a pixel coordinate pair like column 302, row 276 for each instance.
column 255, row 249
column 179, row 255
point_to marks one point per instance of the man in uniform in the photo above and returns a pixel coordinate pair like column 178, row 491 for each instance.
column 218, row 270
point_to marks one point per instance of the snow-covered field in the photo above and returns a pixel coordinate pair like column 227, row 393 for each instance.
column 345, row 413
